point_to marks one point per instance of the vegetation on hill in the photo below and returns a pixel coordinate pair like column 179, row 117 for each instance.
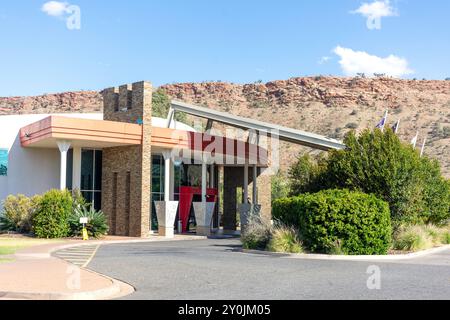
column 161, row 106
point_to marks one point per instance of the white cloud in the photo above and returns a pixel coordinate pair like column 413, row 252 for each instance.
column 375, row 11
column 55, row 8
column 354, row 62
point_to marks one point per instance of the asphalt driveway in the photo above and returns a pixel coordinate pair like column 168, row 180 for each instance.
column 215, row 269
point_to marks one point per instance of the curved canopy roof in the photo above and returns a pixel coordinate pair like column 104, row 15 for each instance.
column 282, row 133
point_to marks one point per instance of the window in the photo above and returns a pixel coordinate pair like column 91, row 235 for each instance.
column 69, row 171
column 129, row 99
column 157, row 186
column 91, row 177
column 116, row 102
column 158, row 181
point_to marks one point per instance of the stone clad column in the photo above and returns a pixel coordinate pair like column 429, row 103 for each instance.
column 245, row 200
column 255, row 185
column 131, row 165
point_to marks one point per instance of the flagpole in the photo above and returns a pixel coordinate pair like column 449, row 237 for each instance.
column 414, row 141
column 398, row 126
column 385, row 120
column 423, row 146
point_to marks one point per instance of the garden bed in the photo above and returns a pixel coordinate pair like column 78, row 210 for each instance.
column 392, row 254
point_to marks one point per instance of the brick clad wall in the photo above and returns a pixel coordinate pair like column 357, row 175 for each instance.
column 131, row 165
column 234, row 178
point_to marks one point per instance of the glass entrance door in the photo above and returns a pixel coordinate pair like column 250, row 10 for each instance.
column 91, row 177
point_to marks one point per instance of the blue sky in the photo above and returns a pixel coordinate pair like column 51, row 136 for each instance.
column 169, row 41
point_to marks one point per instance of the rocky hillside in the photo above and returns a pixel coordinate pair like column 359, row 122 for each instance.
column 326, row 105
column 86, row 101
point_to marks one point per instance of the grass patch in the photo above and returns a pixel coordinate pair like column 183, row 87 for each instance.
column 10, row 246
column 285, row 240
column 260, row 234
column 6, row 260
column 420, row 237
column 257, row 234
column 412, row 238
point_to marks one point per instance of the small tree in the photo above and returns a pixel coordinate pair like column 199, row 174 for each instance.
column 280, row 186
column 305, row 175
column 161, row 106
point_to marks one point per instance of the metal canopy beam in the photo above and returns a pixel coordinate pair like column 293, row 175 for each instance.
column 284, row 134
column 209, row 125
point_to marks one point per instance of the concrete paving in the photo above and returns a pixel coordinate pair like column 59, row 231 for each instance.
column 55, row 271
column 216, row 269
column 78, row 256
column 36, row 275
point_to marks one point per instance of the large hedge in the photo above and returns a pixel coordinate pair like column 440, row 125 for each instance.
column 343, row 221
column 52, row 215
column 376, row 162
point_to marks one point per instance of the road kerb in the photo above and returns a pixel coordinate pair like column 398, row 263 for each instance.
column 308, row 256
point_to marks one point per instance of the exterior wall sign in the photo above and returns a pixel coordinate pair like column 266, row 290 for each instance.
column 3, row 162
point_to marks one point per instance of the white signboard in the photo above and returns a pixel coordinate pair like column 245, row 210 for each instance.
column 84, row 220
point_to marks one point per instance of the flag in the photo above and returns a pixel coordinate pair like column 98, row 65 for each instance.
column 383, row 122
column 396, row 126
column 414, row 140
column 423, row 146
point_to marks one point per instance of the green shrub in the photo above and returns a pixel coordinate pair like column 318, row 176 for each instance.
column 434, row 233
column 79, row 201
column 412, row 238
column 17, row 213
column 336, row 248
column 379, row 163
column 305, row 175
column 338, row 220
column 280, row 186
column 445, row 236
column 52, row 213
column 97, row 225
column 257, row 233
column 6, row 224
column 284, row 239
column 161, row 106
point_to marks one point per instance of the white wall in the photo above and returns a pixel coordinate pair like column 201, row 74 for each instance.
column 31, row 171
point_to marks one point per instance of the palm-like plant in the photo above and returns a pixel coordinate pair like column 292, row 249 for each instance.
column 97, row 225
